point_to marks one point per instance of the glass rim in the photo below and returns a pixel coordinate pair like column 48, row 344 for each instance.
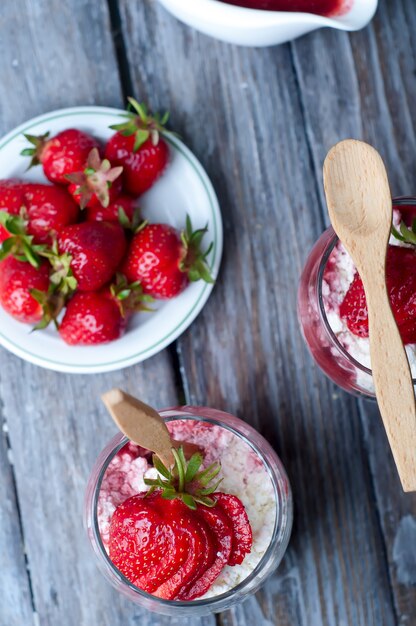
column 399, row 201
column 282, row 522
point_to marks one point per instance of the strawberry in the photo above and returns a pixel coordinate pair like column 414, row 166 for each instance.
column 123, row 210
column 11, row 200
column 17, row 280
column 165, row 260
column 48, row 209
column 242, row 534
column 91, row 318
column 221, row 528
column 145, row 547
column 210, row 525
column 96, row 249
column 401, row 285
column 139, row 148
column 94, row 317
column 200, row 551
column 98, row 184
column 45, row 209
column 63, row 154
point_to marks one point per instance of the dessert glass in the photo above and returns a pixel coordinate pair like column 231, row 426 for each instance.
column 268, row 563
column 326, row 350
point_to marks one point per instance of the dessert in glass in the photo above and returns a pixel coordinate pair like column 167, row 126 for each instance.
column 332, row 308
column 200, row 536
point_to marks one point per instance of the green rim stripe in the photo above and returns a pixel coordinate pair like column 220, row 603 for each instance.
column 178, row 146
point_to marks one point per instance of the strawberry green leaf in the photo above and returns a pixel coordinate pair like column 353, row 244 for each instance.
column 189, row 501
column 193, row 466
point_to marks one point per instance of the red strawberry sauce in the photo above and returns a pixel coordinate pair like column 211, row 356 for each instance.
column 319, row 7
column 244, row 476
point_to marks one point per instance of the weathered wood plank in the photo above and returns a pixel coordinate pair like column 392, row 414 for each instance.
column 15, row 601
column 53, row 55
column 239, row 110
column 367, row 92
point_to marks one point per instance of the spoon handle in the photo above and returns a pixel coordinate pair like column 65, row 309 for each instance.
column 393, row 383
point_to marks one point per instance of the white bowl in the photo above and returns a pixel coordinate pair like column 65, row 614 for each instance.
column 251, row 27
column 183, row 188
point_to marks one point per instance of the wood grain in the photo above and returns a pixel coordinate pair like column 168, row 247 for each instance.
column 15, row 599
column 245, row 353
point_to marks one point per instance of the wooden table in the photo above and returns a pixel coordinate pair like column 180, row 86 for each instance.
column 261, row 122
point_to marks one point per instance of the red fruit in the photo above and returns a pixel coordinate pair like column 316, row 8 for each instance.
column 242, row 533
column 200, row 547
column 63, row 154
column 96, row 248
column 143, row 546
column 220, row 526
column 92, row 318
column 401, row 285
column 163, row 261
column 138, row 147
column 11, row 200
column 128, row 204
column 17, row 279
column 98, row 184
column 48, row 209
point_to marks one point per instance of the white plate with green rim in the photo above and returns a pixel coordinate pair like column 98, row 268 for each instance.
column 184, row 188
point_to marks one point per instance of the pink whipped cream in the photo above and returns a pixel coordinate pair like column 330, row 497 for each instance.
column 243, row 473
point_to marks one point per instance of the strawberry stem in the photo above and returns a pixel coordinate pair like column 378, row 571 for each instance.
column 184, row 481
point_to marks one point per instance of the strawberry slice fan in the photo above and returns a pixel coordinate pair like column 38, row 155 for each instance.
column 174, row 540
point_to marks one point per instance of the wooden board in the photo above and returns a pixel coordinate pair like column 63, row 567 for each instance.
column 261, row 122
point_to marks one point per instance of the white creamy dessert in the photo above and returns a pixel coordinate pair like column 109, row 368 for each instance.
column 243, row 473
column 338, row 276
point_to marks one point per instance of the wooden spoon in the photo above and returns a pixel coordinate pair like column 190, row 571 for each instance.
column 143, row 425
column 360, row 208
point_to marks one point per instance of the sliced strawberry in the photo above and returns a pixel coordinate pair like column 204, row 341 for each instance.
column 11, row 200
column 142, row 545
column 242, row 533
column 186, row 526
column 220, row 526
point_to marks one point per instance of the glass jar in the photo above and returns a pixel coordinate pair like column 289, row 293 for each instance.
column 272, row 556
column 327, row 351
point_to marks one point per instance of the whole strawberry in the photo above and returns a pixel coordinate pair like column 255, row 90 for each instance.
column 165, row 260
column 98, row 184
column 48, row 209
column 17, row 281
column 139, row 148
column 93, row 318
column 11, row 200
column 45, row 209
column 401, row 285
column 96, row 250
column 63, row 154
column 123, row 210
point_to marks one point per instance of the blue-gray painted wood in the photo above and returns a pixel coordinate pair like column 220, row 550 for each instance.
column 261, row 122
